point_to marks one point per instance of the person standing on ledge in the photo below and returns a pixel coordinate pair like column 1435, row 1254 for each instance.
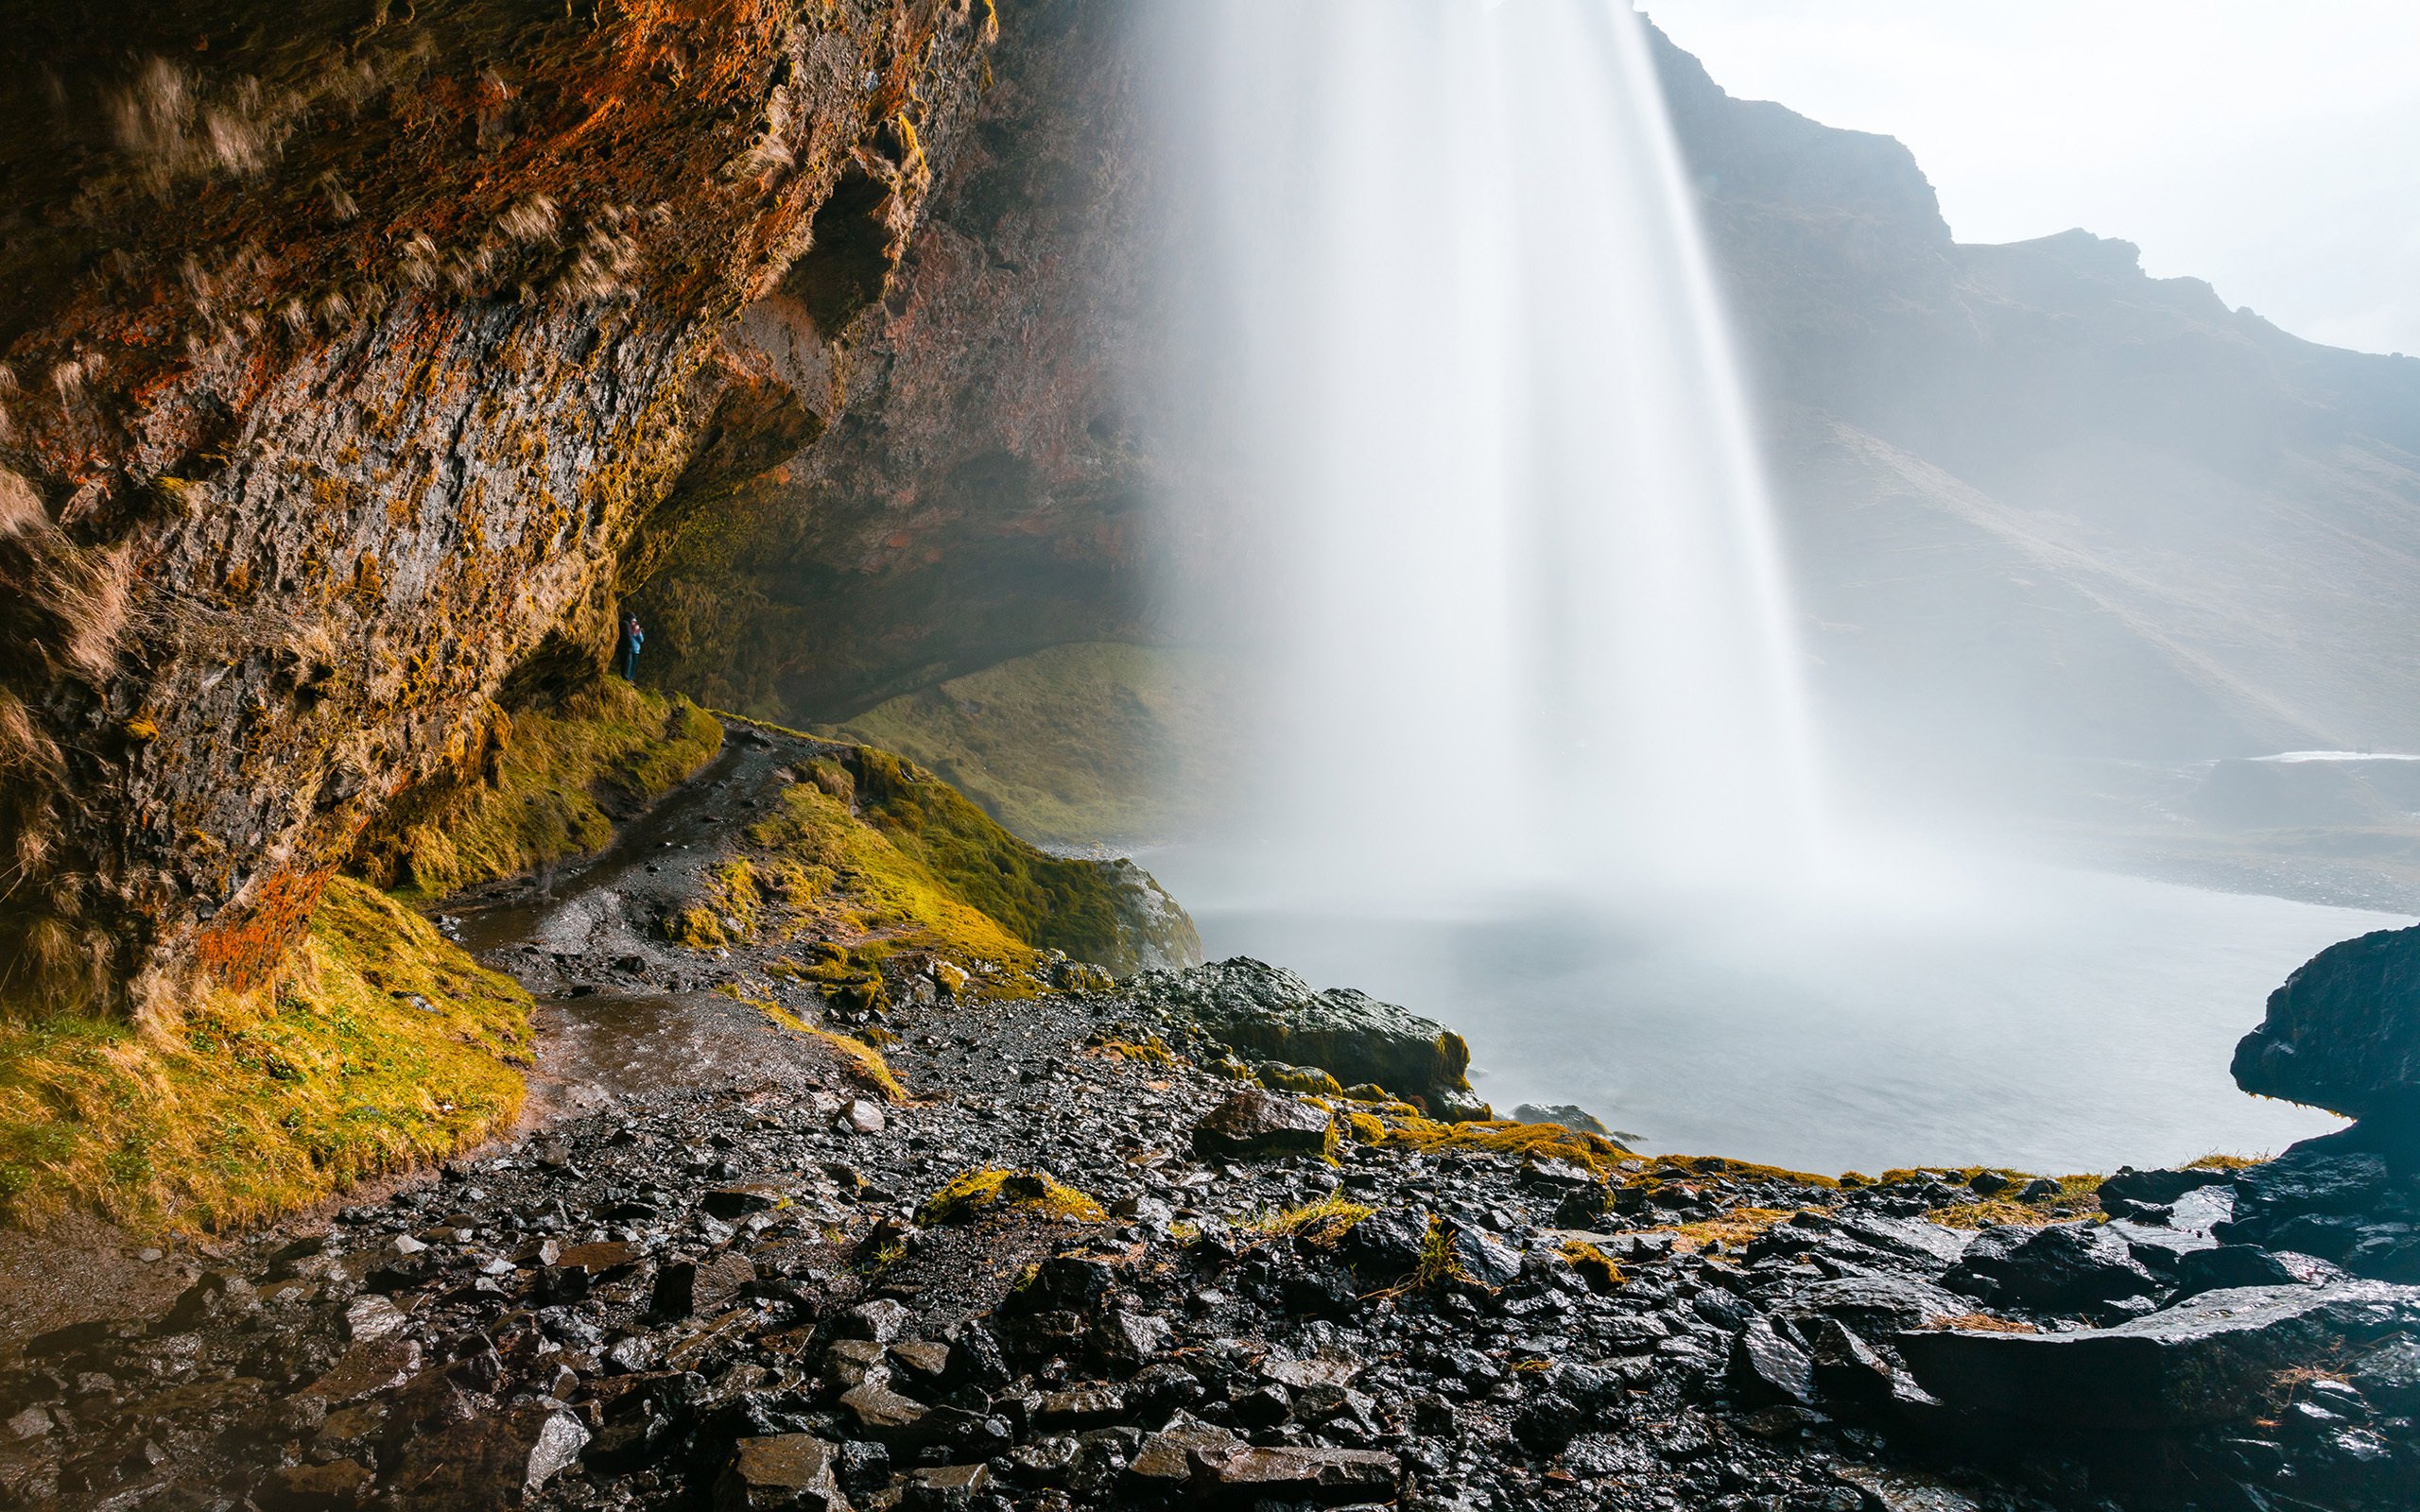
column 631, row 638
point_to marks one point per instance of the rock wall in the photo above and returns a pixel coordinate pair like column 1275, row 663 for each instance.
column 981, row 492
column 353, row 347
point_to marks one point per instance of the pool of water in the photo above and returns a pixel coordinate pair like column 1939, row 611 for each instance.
column 2011, row 1014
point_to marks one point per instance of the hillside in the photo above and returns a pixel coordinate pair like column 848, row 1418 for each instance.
column 2044, row 504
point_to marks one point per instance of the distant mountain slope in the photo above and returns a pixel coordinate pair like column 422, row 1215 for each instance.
column 2044, row 504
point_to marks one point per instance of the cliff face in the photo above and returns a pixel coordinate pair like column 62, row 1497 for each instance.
column 350, row 351
column 980, row 492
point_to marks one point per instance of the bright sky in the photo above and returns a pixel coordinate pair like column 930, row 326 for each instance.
column 2273, row 149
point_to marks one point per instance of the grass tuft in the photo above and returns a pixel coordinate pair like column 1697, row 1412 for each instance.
column 1592, row 1152
column 2079, row 1196
column 1595, row 1266
column 1322, row 1223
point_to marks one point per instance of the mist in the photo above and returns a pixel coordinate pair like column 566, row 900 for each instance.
column 1788, row 666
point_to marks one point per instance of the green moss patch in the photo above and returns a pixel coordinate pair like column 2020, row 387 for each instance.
column 381, row 1046
column 974, row 1193
column 550, row 790
column 1322, row 1223
column 869, row 856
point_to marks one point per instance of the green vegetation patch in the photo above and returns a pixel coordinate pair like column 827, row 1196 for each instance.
column 974, row 1193
column 2079, row 1196
column 1324, row 1223
column 870, row 857
column 1540, row 1141
column 380, row 1047
column 550, row 790
column 1052, row 901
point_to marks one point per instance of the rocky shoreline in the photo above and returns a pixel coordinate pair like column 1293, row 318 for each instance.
column 1174, row 1243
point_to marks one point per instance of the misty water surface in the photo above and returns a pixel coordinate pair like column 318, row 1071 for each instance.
column 2021, row 1015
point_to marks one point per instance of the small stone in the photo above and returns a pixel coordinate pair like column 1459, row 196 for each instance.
column 1247, row 1471
column 945, row 1487
column 2223, row 1266
column 370, row 1367
column 372, row 1318
column 879, row 1321
column 881, row 1411
column 859, row 1116
column 786, row 1470
column 330, row 1487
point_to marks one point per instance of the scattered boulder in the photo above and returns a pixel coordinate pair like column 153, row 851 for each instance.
column 1873, row 1306
column 2158, row 1188
column 1245, row 1472
column 2222, row 1266
column 1766, row 1368
column 1255, row 1124
column 2060, row 1269
column 1578, row 1120
column 1484, row 1257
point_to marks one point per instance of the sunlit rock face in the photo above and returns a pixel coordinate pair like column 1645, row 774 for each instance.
column 349, row 358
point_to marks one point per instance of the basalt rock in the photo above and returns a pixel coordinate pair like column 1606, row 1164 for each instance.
column 1259, row 1124
column 1265, row 1012
column 2205, row 1360
column 2343, row 1033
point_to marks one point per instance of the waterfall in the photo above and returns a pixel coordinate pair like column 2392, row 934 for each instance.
column 1499, row 549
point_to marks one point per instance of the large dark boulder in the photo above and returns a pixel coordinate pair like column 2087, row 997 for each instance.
column 2062, row 1268
column 2212, row 1359
column 1264, row 1013
column 2343, row 1033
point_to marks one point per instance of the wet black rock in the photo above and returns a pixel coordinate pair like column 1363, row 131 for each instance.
column 2344, row 1032
column 2058, row 1269
column 1264, row 1012
column 1255, row 1124
column 2157, row 1188
column 1387, row 1245
column 2205, row 1360
column 2227, row 1265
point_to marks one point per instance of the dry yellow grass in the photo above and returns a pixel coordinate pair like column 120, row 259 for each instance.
column 1322, row 1223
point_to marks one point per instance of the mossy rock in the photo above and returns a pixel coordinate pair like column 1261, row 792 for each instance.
column 973, row 1194
column 1278, row 1077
